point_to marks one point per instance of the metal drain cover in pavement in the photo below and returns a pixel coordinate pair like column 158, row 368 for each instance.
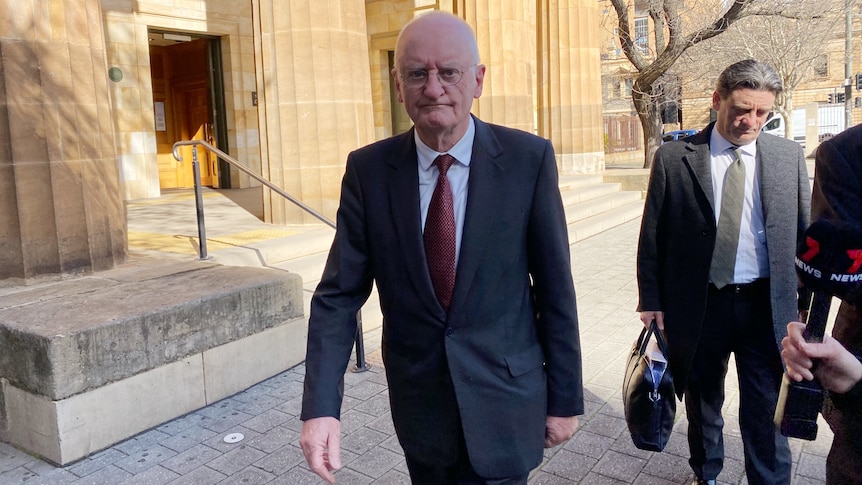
column 233, row 438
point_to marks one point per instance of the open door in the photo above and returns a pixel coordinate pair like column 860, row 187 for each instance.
column 194, row 123
column 188, row 90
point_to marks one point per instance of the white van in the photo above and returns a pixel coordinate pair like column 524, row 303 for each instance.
column 830, row 122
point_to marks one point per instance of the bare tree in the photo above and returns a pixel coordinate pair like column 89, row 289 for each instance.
column 791, row 42
column 674, row 30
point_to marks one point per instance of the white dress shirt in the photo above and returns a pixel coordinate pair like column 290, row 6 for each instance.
column 752, row 260
column 457, row 175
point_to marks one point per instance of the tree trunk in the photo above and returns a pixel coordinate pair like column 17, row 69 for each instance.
column 788, row 115
column 650, row 118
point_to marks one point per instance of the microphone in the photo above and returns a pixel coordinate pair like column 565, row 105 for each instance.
column 830, row 259
column 828, row 262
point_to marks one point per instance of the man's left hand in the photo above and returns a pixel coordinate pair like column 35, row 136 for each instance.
column 558, row 429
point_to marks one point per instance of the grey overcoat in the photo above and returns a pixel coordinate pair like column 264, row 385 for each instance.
column 678, row 235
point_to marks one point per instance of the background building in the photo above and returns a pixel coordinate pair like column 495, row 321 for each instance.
column 96, row 92
column 93, row 95
column 807, row 47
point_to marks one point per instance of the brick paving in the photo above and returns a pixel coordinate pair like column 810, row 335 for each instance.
column 192, row 449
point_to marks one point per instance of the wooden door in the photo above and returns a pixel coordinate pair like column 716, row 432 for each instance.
column 181, row 90
column 193, row 99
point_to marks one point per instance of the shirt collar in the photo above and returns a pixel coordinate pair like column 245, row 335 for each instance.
column 462, row 151
column 719, row 144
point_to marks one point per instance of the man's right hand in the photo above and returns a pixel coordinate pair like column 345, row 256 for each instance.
column 320, row 440
column 648, row 317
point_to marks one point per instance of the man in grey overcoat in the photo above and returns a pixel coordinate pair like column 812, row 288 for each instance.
column 714, row 295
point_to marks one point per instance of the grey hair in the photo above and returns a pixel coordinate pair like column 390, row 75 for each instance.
column 748, row 74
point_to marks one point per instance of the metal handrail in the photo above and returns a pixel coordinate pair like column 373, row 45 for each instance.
column 361, row 363
column 250, row 173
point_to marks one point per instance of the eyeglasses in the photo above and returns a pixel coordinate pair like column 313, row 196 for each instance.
column 448, row 76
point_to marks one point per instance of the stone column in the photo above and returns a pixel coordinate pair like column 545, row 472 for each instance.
column 314, row 91
column 507, row 46
column 570, row 90
column 60, row 206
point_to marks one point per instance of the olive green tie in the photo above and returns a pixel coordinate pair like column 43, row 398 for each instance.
column 727, row 233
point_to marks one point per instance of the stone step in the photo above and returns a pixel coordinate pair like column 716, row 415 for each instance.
column 310, row 267
column 584, row 219
column 577, row 195
column 593, row 225
column 579, row 180
column 124, row 350
column 312, row 240
column 589, row 204
column 599, row 205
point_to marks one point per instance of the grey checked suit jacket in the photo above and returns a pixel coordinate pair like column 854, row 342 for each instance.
column 678, row 235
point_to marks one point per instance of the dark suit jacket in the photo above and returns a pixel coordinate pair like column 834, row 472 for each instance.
column 837, row 196
column 678, row 236
column 508, row 352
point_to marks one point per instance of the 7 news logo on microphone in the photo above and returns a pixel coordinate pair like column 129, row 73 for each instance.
column 830, row 259
column 828, row 262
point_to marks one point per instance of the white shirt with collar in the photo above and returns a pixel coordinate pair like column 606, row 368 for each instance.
column 752, row 260
column 457, row 175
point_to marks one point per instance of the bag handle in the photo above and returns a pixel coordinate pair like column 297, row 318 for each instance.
column 643, row 341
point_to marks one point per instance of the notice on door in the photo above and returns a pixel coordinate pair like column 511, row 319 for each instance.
column 160, row 116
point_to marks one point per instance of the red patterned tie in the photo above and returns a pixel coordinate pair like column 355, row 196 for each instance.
column 439, row 235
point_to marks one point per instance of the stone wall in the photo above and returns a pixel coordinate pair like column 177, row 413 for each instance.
column 87, row 362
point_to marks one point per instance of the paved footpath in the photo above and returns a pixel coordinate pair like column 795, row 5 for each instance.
column 193, row 449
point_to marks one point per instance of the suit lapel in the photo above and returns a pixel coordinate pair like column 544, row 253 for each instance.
column 483, row 199
column 697, row 159
column 404, row 204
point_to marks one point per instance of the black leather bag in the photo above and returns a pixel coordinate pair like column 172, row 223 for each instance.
column 650, row 407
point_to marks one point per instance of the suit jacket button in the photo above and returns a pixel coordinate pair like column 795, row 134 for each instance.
column 450, row 332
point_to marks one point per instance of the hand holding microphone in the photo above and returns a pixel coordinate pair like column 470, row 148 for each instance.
column 828, row 262
column 837, row 369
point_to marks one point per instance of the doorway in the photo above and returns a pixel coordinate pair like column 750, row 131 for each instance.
column 188, row 93
column 401, row 121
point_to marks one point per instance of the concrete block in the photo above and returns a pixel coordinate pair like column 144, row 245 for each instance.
column 231, row 367
column 91, row 334
column 635, row 179
column 67, row 430
column 88, row 362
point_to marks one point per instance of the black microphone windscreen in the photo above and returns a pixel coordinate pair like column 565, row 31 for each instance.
column 829, row 259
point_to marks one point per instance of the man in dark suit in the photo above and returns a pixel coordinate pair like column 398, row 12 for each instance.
column 485, row 370
column 837, row 196
column 716, row 288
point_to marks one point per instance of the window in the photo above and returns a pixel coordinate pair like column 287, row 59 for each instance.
column 630, row 83
column 773, row 124
column 820, row 66
column 642, row 34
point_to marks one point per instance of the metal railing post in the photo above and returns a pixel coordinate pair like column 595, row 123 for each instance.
column 199, row 205
column 361, row 364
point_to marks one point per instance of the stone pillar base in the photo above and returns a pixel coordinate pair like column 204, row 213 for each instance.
column 578, row 163
column 88, row 362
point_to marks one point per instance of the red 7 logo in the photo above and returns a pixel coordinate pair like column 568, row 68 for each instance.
column 856, row 256
column 813, row 249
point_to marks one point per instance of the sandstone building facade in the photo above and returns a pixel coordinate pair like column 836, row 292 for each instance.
column 93, row 93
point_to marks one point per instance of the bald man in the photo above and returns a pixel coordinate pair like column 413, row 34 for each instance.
column 480, row 332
